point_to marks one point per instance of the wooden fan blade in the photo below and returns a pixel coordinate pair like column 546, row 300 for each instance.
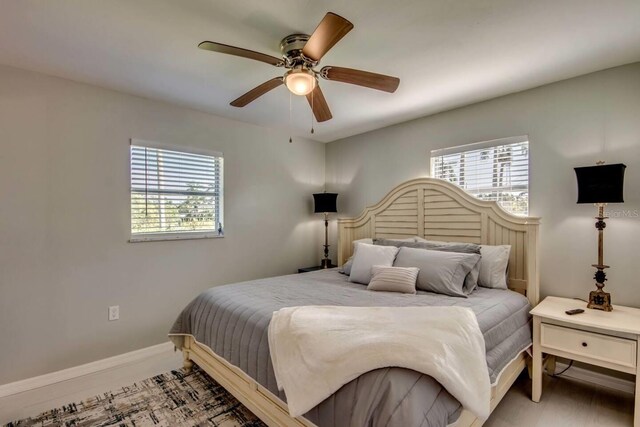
column 319, row 105
column 257, row 92
column 329, row 32
column 238, row 51
column 361, row 78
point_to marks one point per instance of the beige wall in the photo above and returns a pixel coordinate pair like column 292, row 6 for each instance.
column 570, row 123
column 64, row 217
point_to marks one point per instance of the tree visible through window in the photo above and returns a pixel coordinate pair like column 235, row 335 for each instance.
column 494, row 170
column 174, row 193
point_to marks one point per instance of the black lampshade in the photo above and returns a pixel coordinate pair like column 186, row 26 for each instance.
column 601, row 184
column 324, row 202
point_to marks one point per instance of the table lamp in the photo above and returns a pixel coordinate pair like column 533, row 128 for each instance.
column 325, row 203
column 600, row 185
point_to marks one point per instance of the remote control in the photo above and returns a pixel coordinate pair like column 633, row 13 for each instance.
column 574, row 311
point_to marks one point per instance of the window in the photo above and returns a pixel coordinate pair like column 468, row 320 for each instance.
column 175, row 193
column 495, row 170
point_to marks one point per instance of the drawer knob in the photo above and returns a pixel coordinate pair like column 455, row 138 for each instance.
column 584, row 344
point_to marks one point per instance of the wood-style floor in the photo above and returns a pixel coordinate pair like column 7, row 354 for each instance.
column 565, row 402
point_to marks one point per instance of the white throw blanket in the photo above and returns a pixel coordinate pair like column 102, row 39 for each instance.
column 315, row 350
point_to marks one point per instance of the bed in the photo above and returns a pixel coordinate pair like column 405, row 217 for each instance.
column 223, row 331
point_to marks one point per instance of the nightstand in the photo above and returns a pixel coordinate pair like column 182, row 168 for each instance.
column 314, row 268
column 607, row 339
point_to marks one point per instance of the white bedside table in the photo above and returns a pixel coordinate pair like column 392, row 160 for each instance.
column 608, row 339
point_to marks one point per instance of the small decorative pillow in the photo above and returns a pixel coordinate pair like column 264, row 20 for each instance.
column 493, row 266
column 366, row 257
column 393, row 279
column 440, row 272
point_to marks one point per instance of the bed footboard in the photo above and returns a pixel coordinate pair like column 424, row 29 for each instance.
column 273, row 411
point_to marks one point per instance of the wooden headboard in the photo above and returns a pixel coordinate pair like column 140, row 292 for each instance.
column 438, row 210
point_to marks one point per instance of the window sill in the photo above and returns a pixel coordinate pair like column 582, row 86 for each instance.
column 160, row 237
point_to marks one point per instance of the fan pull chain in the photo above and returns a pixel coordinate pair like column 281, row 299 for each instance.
column 290, row 130
column 312, row 112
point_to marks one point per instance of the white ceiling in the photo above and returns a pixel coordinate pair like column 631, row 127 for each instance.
column 447, row 53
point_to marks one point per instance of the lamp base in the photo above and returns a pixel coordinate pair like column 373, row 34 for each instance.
column 326, row 263
column 600, row 300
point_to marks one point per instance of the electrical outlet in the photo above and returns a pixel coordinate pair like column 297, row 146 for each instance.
column 114, row 312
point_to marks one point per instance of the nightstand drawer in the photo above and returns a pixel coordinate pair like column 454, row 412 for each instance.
column 616, row 350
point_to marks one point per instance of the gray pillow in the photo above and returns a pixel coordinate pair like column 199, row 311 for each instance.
column 393, row 279
column 465, row 248
column 440, row 271
column 470, row 281
column 346, row 267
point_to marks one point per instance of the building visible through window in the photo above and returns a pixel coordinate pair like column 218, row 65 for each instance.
column 495, row 170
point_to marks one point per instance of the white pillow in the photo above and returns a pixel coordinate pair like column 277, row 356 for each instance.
column 366, row 257
column 346, row 267
column 393, row 279
column 493, row 266
column 355, row 243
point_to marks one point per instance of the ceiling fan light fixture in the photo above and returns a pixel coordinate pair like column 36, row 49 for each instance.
column 300, row 81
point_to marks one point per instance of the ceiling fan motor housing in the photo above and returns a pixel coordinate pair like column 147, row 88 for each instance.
column 291, row 47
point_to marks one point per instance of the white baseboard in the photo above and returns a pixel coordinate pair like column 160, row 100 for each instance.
column 586, row 375
column 9, row 389
column 86, row 369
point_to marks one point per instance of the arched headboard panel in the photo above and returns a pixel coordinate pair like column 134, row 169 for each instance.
column 438, row 210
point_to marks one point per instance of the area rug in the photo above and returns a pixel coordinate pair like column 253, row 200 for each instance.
column 176, row 398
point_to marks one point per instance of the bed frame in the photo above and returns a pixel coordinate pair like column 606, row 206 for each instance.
column 426, row 207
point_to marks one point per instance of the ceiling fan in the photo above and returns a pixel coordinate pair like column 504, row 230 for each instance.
column 301, row 53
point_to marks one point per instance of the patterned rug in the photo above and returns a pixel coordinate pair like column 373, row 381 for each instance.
column 176, row 398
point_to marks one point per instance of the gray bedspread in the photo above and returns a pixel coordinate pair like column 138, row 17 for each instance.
column 233, row 321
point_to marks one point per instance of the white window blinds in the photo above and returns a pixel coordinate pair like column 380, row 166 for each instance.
column 175, row 193
column 494, row 170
